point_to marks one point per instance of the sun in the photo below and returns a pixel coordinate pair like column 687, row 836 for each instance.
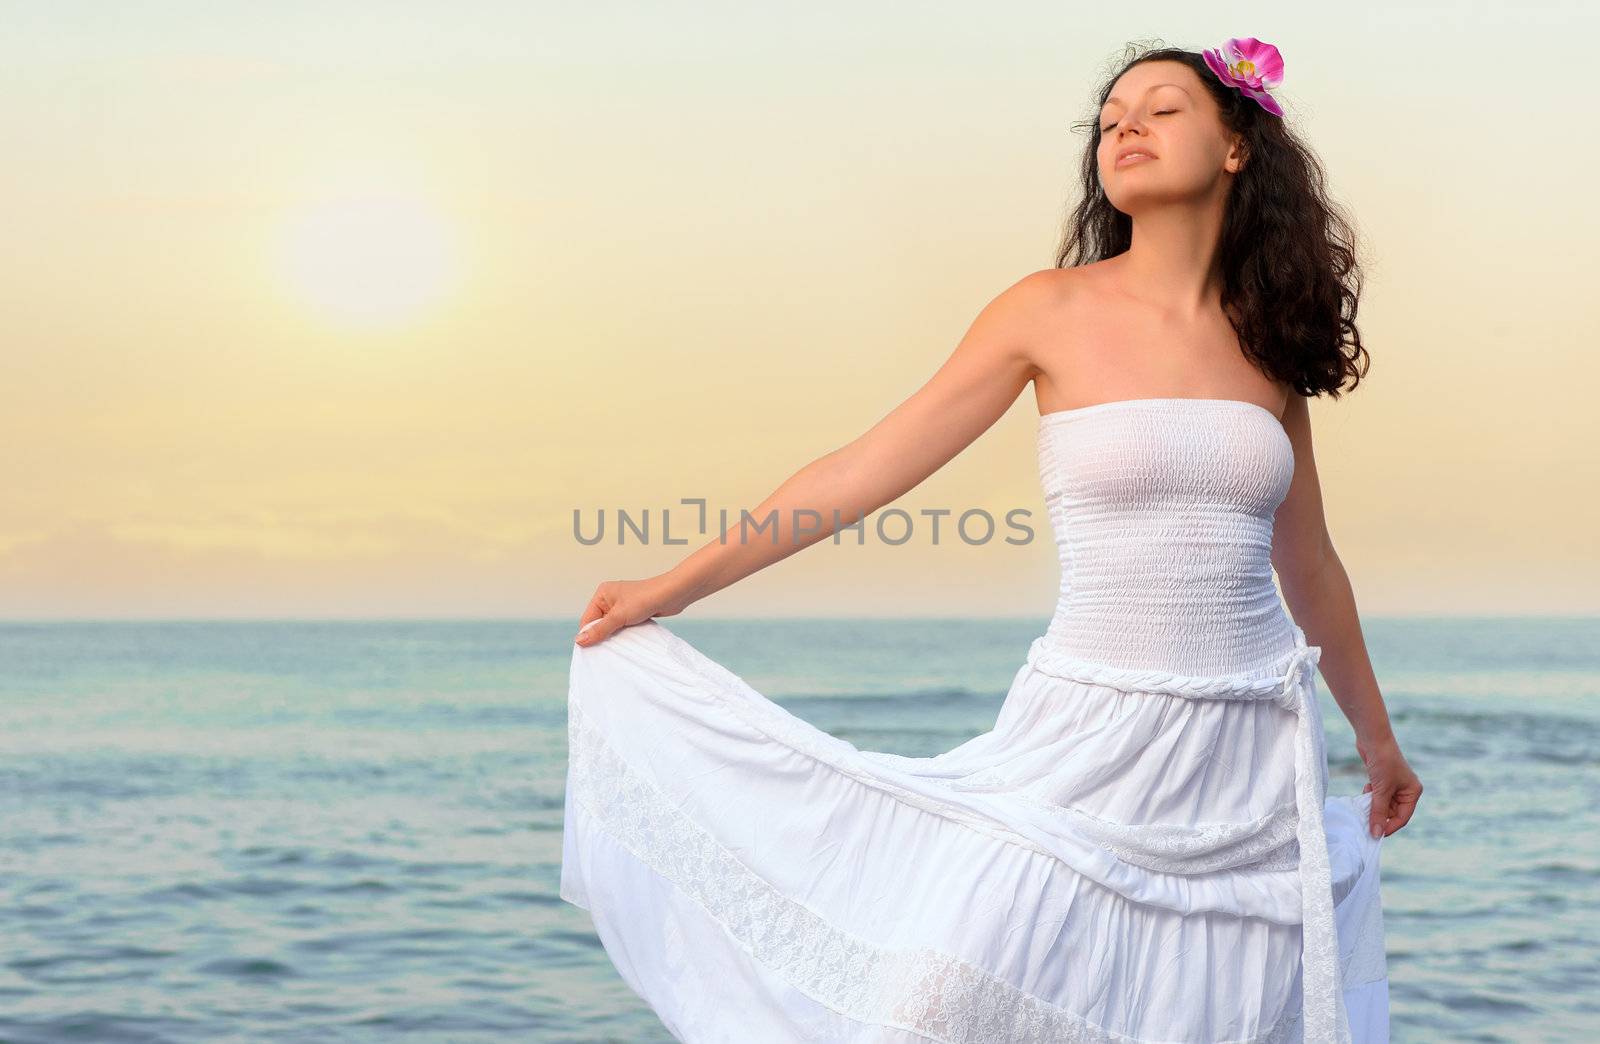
column 370, row 259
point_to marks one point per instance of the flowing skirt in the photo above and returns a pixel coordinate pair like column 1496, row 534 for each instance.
column 1122, row 858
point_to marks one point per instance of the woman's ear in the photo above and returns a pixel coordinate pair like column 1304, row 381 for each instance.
column 1238, row 155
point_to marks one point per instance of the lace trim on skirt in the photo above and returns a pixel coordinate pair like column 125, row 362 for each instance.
column 936, row 994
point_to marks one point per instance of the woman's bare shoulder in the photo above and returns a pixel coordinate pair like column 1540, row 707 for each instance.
column 1062, row 281
column 1057, row 302
column 1042, row 299
column 1077, row 289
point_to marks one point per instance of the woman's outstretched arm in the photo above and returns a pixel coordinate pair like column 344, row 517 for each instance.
column 974, row 387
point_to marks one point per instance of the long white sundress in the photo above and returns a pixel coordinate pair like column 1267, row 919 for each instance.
column 1142, row 849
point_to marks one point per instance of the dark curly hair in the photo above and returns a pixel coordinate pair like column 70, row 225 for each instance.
column 1290, row 276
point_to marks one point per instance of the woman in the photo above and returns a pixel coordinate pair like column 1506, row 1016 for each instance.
column 1143, row 848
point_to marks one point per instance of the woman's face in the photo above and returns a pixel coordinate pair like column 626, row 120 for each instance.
column 1162, row 110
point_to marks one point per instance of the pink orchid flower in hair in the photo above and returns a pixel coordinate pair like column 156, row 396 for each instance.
column 1251, row 66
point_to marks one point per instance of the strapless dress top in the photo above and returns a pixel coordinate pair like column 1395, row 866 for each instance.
column 1162, row 511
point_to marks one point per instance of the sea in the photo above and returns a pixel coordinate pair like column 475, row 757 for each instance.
column 336, row 830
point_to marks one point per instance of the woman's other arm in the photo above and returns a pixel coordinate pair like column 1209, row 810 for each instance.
column 1319, row 596
column 982, row 377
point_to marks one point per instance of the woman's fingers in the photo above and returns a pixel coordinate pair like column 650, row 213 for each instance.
column 1394, row 787
column 1392, row 806
column 592, row 624
column 1380, row 811
column 1405, row 803
column 592, row 632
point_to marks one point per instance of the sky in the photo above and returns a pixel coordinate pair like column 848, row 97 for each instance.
column 344, row 310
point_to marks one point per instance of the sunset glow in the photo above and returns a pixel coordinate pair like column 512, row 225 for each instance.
column 369, row 260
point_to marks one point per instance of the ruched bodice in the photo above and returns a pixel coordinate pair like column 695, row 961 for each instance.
column 1162, row 511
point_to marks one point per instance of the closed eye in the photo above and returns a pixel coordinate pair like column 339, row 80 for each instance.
column 1162, row 112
